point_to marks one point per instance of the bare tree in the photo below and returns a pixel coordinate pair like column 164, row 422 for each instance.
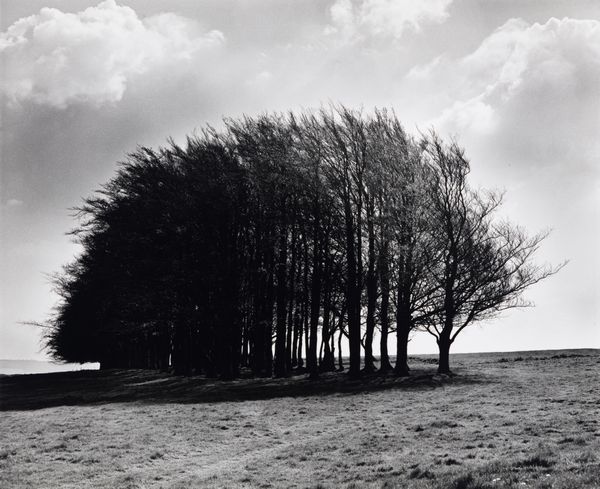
column 479, row 266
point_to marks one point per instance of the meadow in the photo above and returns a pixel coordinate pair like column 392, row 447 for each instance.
column 505, row 420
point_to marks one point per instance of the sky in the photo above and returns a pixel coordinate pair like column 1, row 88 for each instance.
column 515, row 82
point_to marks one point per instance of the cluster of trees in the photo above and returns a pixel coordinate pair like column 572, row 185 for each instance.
column 269, row 244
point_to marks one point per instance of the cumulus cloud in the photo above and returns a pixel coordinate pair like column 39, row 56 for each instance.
column 534, row 85
column 474, row 114
column 526, row 106
column 354, row 20
column 56, row 58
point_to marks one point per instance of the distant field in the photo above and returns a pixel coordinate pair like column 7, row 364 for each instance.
column 12, row 367
column 507, row 420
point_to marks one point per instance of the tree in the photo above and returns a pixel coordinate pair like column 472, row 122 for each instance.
column 397, row 176
column 202, row 258
column 479, row 266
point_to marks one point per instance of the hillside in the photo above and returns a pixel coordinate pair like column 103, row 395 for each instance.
column 505, row 420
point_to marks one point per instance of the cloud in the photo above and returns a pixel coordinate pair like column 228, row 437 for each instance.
column 473, row 114
column 384, row 18
column 534, row 87
column 526, row 106
column 57, row 58
column 423, row 72
column 14, row 203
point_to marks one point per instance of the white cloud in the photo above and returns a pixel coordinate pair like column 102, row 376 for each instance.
column 342, row 17
column 423, row 72
column 526, row 106
column 536, row 85
column 56, row 58
column 384, row 18
column 474, row 115
column 14, row 203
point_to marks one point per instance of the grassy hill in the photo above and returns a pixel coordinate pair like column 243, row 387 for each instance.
column 525, row 419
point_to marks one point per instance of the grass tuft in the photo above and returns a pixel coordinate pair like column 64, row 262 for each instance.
column 466, row 482
column 444, row 424
column 536, row 461
column 451, row 461
column 418, row 473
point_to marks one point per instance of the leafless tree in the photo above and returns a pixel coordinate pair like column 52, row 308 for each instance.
column 480, row 266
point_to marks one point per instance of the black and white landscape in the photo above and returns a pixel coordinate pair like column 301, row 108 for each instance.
column 265, row 244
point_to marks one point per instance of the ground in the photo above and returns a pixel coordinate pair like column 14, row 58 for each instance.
column 528, row 419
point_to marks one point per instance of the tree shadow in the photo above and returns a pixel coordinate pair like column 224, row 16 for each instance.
column 87, row 387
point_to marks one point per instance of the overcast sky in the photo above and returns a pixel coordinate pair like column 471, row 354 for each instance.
column 516, row 82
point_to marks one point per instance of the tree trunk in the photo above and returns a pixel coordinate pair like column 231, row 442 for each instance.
column 290, row 352
column 306, row 331
column 385, row 365
column 227, row 321
column 281, row 330
column 371, row 291
column 257, row 331
column 352, row 294
column 404, row 300
column 401, row 367
column 268, row 339
column 299, row 359
column 315, row 300
column 328, row 361
column 245, row 339
column 444, row 359
column 444, row 340
column 295, row 337
column 403, row 327
column 340, row 358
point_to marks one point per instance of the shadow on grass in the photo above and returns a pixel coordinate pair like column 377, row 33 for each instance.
column 38, row 391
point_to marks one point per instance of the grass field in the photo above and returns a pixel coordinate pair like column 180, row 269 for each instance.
column 528, row 419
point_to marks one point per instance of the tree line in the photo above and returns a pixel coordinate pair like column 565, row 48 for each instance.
column 271, row 244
